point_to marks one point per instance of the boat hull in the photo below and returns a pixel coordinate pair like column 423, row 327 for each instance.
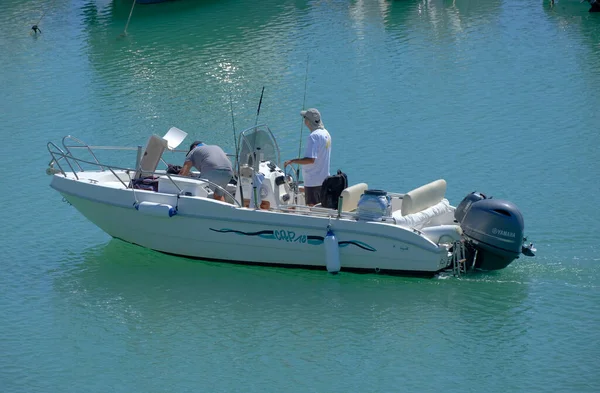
column 213, row 230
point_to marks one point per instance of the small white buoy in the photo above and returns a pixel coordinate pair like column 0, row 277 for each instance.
column 332, row 252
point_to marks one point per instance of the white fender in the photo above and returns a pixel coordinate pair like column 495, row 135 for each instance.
column 332, row 252
column 156, row 209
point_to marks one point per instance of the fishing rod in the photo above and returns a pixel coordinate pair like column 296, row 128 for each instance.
column 237, row 158
column 256, row 165
column 259, row 104
column 235, row 143
column 301, row 125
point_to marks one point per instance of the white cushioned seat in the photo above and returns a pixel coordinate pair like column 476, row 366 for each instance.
column 351, row 195
column 423, row 197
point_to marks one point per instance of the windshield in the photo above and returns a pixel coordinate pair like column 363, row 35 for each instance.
column 258, row 141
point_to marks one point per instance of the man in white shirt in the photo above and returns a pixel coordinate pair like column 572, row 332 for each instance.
column 315, row 164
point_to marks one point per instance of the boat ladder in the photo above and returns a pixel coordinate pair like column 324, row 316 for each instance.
column 459, row 259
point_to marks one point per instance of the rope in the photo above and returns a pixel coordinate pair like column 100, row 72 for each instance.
column 35, row 27
column 128, row 19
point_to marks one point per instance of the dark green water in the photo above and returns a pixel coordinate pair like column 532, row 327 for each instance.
column 501, row 97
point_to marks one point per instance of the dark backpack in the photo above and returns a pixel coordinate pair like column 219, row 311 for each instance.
column 173, row 169
column 332, row 188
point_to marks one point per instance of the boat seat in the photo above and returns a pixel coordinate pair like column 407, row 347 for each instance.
column 351, row 195
column 423, row 197
column 151, row 157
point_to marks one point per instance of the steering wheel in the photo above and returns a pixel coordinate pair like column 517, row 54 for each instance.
column 290, row 178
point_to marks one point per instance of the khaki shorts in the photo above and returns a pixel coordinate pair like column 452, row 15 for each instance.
column 218, row 176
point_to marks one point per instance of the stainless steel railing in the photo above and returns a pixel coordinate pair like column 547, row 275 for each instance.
column 59, row 155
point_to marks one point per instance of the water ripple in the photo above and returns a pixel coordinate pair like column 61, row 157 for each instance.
column 493, row 96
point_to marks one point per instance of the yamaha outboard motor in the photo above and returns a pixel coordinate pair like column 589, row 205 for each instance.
column 493, row 230
column 465, row 205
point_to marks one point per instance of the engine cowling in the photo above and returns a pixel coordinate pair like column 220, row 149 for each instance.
column 493, row 230
column 465, row 205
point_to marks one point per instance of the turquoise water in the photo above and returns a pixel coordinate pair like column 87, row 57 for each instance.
column 502, row 97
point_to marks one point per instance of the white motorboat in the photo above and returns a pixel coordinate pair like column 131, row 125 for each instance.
column 264, row 219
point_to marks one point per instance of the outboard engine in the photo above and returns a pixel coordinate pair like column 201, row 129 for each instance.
column 465, row 205
column 493, row 230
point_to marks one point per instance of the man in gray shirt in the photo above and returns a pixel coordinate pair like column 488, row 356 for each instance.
column 213, row 164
